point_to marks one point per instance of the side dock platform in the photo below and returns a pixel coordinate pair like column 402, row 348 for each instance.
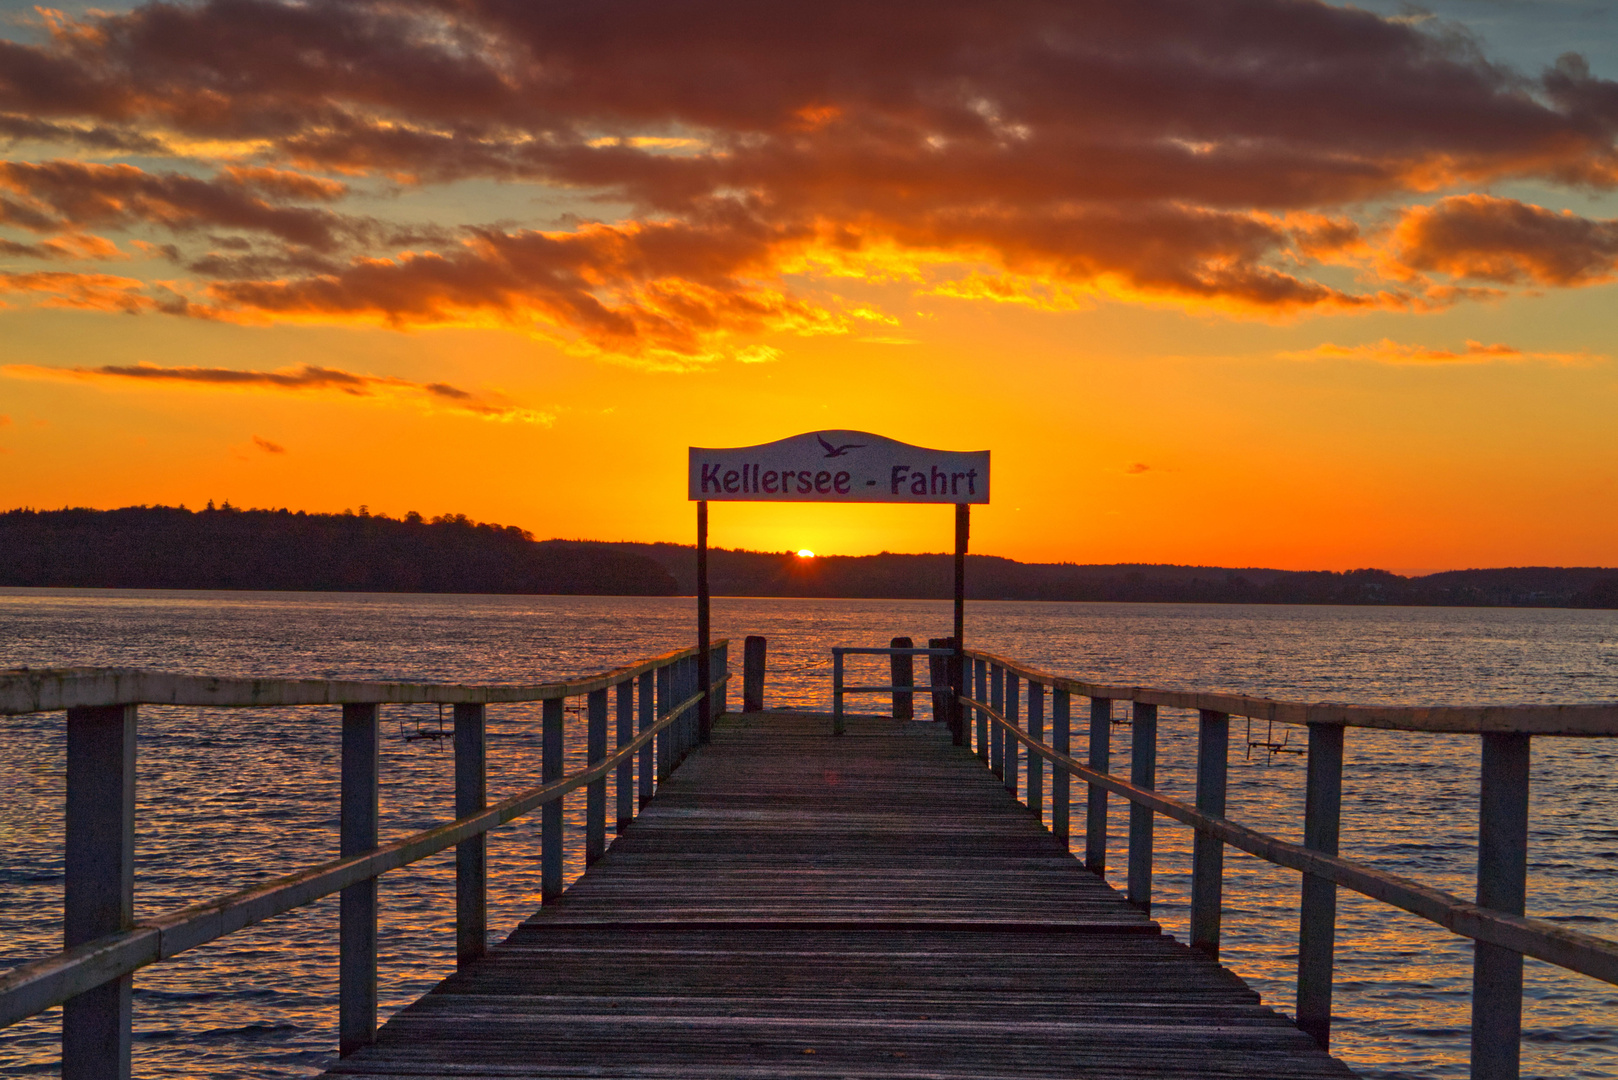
column 794, row 904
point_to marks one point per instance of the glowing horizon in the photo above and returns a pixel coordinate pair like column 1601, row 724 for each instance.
column 1303, row 286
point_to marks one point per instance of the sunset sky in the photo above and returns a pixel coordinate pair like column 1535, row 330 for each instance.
column 1246, row 283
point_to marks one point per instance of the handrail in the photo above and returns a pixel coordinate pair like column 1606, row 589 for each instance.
column 902, row 692
column 95, row 695
column 34, row 987
column 997, row 689
column 1587, row 954
column 30, row 690
column 1589, row 721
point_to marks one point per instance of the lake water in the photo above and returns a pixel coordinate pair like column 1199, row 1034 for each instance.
column 228, row 797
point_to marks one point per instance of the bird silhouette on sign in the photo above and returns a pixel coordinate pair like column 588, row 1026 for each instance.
column 838, row 451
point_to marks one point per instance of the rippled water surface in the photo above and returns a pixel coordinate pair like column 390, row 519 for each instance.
column 228, row 797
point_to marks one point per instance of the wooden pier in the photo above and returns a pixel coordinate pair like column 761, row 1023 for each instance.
column 806, row 894
column 798, row 904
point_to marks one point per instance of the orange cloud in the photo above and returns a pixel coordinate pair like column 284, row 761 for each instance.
column 88, row 292
column 1506, row 241
column 1388, row 351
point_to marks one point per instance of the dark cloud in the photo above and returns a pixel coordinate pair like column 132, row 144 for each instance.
column 75, row 194
column 1506, row 241
column 305, row 378
column 267, row 446
column 1176, row 151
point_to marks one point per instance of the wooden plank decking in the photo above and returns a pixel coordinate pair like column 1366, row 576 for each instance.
column 797, row 905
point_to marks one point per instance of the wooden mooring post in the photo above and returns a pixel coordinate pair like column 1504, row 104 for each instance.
column 753, row 674
column 903, row 671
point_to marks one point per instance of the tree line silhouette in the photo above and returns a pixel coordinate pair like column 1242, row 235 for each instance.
column 163, row 547
column 166, row 547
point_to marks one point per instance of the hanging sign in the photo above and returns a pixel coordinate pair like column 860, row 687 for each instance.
column 839, row 466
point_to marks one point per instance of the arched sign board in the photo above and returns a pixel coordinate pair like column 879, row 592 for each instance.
column 838, row 467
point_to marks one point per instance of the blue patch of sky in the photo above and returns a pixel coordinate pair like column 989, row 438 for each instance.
column 1527, row 35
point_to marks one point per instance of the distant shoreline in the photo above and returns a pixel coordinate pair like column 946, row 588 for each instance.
column 152, row 548
column 4, row 588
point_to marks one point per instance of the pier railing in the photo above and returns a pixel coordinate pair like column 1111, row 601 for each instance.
column 1009, row 701
column 657, row 721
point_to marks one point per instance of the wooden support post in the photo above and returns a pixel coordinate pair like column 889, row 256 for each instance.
column 721, row 668
column 957, row 669
column 693, row 715
column 625, row 780
column 1502, row 886
column 1009, row 775
column 1036, row 764
column 646, row 710
column 938, row 677
column 553, row 728
column 356, row 994
column 1095, row 810
column 1143, row 774
column 837, row 725
column 679, row 690
column 997, row 734
column 1207, row 852
column 595, row 792
column 1317, row 912
column 753, row 674
column 99, row 897
column 1061, row 779
column 980, row 669
column 471, row 856
column 665, row 701
column 704, row 665
column 903, row 669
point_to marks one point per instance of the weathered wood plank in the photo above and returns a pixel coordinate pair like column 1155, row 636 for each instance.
column 797, row 905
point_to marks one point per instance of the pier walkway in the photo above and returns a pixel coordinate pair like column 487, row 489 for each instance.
column 794, row 904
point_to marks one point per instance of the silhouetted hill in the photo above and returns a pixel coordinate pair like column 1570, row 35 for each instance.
column 162, row 547
column 174, row 548
column 988, row 577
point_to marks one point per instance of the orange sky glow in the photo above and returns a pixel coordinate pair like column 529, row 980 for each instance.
column 1279, row 284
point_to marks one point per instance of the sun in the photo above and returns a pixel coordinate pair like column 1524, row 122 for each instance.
column 805, row 553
